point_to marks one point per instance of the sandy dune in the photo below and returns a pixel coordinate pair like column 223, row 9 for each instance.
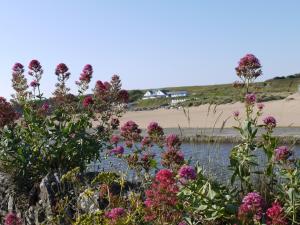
column 286, row 111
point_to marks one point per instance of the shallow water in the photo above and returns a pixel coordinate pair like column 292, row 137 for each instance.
column 213, row 158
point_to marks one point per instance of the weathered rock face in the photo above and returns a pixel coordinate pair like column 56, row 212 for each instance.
column 33, row 208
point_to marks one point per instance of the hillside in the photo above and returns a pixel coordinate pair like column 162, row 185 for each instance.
column 273, row 89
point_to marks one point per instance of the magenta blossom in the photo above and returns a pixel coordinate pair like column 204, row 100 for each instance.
column 119, row 150
column 173, row 141
column 250, row 98
column 131, row 131
column 86, row 74
column 12, row 219
column 276, row 215
column 251, row 207
column 88, row 100
column 115, row 213
column 18, row 67
column 114, row 139
column 123, row 96
column 282, row 153
column 45, row 107
column 236, row 114
column 249, row 67
column 146, row 142
column 154, row 129
column 187, row 172
column 260, row 106
column 270, row 122
column 34, row 84
column 35, row 66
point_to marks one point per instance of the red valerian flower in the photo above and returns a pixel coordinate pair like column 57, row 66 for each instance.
column 131, row 131
column 34, row 84
column 86, row 74
column 114, row 139
column 276, row 215
column 173, row 141
column 7, row 113
column 270, row 122
column 282, row 153
column 249, row 67
column 123, row 96
column 250, row 98
column 251, row 208
column 187, row 172
column 172, row 158
column 61, row 69
column 18, row 67
column 161, row 197
column 236, row 114
column 12, row 219
column 119, row 150
column 260, row 106
column 115, row 213
column 88, row 100
column 35, row 66
column 154, row 129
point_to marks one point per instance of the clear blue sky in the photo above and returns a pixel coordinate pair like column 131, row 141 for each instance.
column 149, row 43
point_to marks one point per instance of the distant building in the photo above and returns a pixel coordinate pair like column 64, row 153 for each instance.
column 151, row 94
column 155, row 94
column 176, row 94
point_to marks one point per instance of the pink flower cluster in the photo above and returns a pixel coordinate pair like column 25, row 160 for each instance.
column 34, row 66
column 250, row 98
column 7, row 113
column 172, row 158
column 173, row 141
column 86, row 74
column 270, row 122
column 276, row 215
column 251, row 208
column 115, row 213
column 154, row 129
column 187, row 173
column 249, row 67
column 131, row 131
column 62, row 70
column 119, row 150
column 12, row 219
column 282, row 153
column 87, row 101
column 162, row 196
column 114, row 139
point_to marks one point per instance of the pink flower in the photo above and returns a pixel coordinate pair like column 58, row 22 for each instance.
column 119, row 150
column 123, row 96
column 86, row 74
column 61, row 69
column 34, row 84
column 173, row 141
column 172, row 158
column 114, row 139
column 18, row 67
column 12, row 219
column 7, row 113
column 236, row 114
column 146, row 142
column 187, row 172
column 45, row 107
column 35, row 66
column 270, row 122
column 88, row 100
column 276, row 215
column 260, row 106
column 115, row 214
column 249, row 67
column 154, row 129
column 130, row 131
column 250, row 98
column 282, row 153
column 251, row 207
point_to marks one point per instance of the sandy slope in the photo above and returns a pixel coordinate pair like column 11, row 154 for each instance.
column 287, row 113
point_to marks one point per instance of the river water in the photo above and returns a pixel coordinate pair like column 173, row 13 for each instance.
column 213, row 158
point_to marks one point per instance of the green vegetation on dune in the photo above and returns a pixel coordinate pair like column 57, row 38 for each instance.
column 273, row 89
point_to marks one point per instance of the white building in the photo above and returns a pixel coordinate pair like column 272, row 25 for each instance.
column 155, row 94
column 176, row 94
